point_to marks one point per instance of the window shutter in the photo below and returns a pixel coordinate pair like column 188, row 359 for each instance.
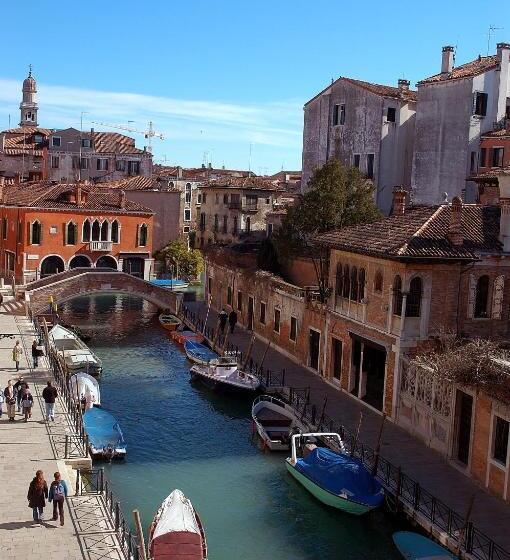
column 471, row 296
column 474, row 103
column 497, row 297
column 65, row 233
column 138, row 235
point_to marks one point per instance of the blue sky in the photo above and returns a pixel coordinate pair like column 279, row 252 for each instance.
column 216, row 76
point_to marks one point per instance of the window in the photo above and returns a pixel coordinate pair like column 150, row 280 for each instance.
column 346, row 288
column 391, row 114
column 209, row 285
column 217, row 198
column 497, row 157
column 104, row 231
column 482, row 297
column 75, row 162
column 234, row 227
column 35, row 233
column 483, row 157
column 262, row 313
column 356, row 161
column 204, row 198
column 480, row 104
column 361, row 284
column 378, row 282
column 133, row 168
column 248, row 224
column 216, row 222
column 251, row 201
column 500, row 445
column 71, row 233
column 143, row 233
column 96, row 231
column 413, row 303
column 229, row 295
column 269, row 230
column 187, row 193
column 86, row 231
column 225, row 224
column 225, row 199
column 370, row 166
column 4, row 228
column 187, row 215
column 239, row 301
column 268, row 201
column 277, row 315
column 85, row 142
column 354, row 284
column 55, row 162
column 84, row 163
column 186, row 229
column 102, row 164
column 341, row 117
column 397, row 296
column 38, row 138
column 339, row 280
column 293, row 329
column 56, row 141
column 115, row 231
column 202, row 221
column 199, row 198
column 120, row 165
column 336, row 115
column 472, row 163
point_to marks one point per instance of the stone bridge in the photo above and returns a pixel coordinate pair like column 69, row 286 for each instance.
column 88, row 281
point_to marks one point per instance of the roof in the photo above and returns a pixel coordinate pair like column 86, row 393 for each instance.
column 19, row 145
column 139, row 183
column 378, row 89
column 47, row 195
column 501, row 133
column 255, row 183
column 422, row 232
column 28, row 130
column 470, row 69
column 113, row 142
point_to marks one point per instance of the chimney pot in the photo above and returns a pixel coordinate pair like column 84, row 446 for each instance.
column 404, row 84
column 399, row 201
column 503, row 51
column 122, row 200
column 447, row 60
column 455, row 227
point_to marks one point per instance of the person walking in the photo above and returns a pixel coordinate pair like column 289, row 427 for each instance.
column 20, row 385
column 35, row 354
column 27, row 401
column 37, row 495
column 222, row 316
column 2, row 399
column 50, row 394
column 58, row 495
column 17, row 352
column 232, row 321
column 10, row 394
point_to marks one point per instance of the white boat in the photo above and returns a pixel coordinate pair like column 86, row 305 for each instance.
column 224, row 373
column 85, row 389
column 76, row 354
column 275, row 422
column 176, row 532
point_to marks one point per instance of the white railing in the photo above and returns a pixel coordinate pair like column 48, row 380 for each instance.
column 100, row 246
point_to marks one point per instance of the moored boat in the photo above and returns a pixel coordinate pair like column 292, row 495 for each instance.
column 105, row 436
column 75, row 353
column 182, row 336
column 174, row 284
column 168, row 321
column 176, row 532
column 413, row 546
column 199, row 353
column 335, row 478
column 224, row 373
column 275, row 422
column 85, row 389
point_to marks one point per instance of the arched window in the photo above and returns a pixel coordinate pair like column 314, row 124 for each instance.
column 115, row 231
column 143, row 232
column 346, row 288
column 35, row 233
column 413, row 303
column 71, row 233
column 104, row 231
column 339, row 280
column 96, row 231
column 216, row 223
column 378, row 282
column 482, row 296
column 397, row 296
column 361, row 284
column 354, row 284
column 86, row 230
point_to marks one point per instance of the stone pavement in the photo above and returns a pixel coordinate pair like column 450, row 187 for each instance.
column 490, row 515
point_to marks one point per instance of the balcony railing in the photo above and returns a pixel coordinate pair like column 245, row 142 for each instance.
column 234, row 205
column 101, row 246
column 249, row 207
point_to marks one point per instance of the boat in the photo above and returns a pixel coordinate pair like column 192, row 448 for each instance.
column 176, row 532
column 199, row 353
column 413, row 546
column 85, row 389
column 174, row 284
column 275, row 422
column 182, row 336
column 104, row 433
column 334, row 478
column 224, row 373
column 168, row 321
column 75, row 353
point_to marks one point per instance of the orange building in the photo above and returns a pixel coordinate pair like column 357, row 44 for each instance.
column 51, row 228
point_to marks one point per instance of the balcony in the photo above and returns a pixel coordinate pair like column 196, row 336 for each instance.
column 105, row 246
column 234, row 205
column 249, row 207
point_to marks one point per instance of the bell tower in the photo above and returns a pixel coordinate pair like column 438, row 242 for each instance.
column 28, row 106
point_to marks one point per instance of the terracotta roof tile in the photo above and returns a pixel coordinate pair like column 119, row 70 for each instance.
column 255, row 183
column 474, row 68
column 501, row 133
column 139, row 183
column 113, row 142
column 29, row 130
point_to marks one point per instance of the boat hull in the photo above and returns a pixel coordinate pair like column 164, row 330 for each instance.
column 413, row 546
column 274, row 434
column 327, row 498
column 222, row 385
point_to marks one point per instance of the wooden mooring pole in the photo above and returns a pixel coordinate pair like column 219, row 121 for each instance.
column 139, row 532
column 264, row 356
column 356, row 437
column 248, row 352
column 378, row 446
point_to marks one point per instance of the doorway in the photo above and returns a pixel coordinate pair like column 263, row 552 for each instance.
column 250, row 313
column 463, row 419
column 368, row 372
column 314, row 348
column 336, row 358
column 133, row 266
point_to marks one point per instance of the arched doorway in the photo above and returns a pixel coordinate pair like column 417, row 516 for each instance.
column 133, row 266
column 79, row 261
column 106, row 261
column 51, row 265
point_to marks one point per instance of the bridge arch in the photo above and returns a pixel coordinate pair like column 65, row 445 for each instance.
column 52, row 264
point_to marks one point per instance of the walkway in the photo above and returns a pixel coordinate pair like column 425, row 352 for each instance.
column 491, row 515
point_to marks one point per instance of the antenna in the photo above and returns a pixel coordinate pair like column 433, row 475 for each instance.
column 492, row 28
column 249, row 161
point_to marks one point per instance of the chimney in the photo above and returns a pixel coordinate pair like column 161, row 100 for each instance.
column 77, row 194
column 504, row 203
column 2, row 142
column 210, row 165
column 455, row 227
column 447, row 60
column 403, row 85
column 2, row 185
column 92, row 140
column 122, row 200
column 203, row 166
column 179, row 172
column 399, row 201
column 503, row 52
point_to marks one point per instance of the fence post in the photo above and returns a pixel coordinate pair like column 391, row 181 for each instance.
column 101, row 480
column 416, row 497
column 469, row 537
column 283, row 377
column 117, row 516
column 78, row 484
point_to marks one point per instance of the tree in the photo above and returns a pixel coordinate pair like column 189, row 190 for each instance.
column 337, row 197
column 187, row 263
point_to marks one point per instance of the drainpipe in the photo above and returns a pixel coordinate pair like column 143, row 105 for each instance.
column 326, row 344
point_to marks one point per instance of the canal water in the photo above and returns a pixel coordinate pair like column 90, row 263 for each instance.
column 181, row 436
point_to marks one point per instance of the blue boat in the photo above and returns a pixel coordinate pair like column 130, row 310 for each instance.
column 413, row 546
column 199, row 353
column 104, row 433
column 170, row 283
column 336, row 479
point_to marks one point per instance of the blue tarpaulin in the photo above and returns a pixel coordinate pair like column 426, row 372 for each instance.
column 102, row 428
column 201, row 351
column 341, row 474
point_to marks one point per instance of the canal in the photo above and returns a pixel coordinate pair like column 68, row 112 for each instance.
column 181, row 436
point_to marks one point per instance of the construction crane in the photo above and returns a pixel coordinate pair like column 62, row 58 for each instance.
column 150, row 133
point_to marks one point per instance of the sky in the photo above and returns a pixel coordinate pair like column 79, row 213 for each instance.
column 224, row 81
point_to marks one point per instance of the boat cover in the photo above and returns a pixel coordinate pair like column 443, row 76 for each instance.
column 201, row 351
column 102, row 428
column 417, row 547
column 84, row 385
column 341, row 475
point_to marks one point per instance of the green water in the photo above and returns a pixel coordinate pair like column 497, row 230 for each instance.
column 182, row 436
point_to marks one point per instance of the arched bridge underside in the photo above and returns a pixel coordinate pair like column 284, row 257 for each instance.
column 86, row 281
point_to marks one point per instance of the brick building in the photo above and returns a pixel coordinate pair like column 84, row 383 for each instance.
column 49, row 228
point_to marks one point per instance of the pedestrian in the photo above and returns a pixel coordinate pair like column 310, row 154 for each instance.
column 10, row 394
column 35, row 354
column 20, row 385
column 2, row 399
column 232, row 321
column 1, row 299
column 50, row 394
column 222, row 316
column 17, row 352
column 37, row 494
column 27, row 401
column 58, row 495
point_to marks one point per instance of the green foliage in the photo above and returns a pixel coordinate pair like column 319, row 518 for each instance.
column 186, row 263
column 267, row 257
